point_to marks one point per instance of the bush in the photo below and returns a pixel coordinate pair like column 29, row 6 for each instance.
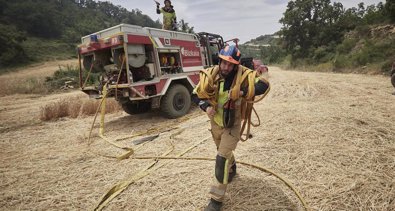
column 341, row 61
column 361, row 58
column 346, row 46
column 322, row 55
column 11, row 50
column 61, row 76
column 75, row 107
column 373, row 51
column 387, row 66
column 68, row 74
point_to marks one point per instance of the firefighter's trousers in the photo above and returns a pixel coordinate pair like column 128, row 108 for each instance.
column 226, row 140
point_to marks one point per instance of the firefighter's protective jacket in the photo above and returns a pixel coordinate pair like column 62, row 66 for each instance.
column 169, row 17
column 222, row 89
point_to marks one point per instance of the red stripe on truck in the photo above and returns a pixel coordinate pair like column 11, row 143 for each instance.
column 190, row 53
column 138, row 39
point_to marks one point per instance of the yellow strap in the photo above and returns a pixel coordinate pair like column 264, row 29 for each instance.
column 103, row 111
column 102, row 106
column 89, row 73
column 153, row 41
column 208, row 89
column 119, row 77
column 226, row 172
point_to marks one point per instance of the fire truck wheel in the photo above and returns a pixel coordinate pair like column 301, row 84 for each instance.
column 135, row 108
column 176, row 101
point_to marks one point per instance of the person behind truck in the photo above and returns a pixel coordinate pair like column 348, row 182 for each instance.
column 225, row 114
column 169, row 15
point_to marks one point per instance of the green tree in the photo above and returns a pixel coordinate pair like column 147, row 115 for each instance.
column 184, row 27
column 313, row 28
column 33, row 17
column 390, row 8
column 11, row 49
column 63, row 21
column 304, row 25
column 375, row 14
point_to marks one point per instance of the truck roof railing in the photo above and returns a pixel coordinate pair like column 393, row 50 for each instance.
column 128, row 28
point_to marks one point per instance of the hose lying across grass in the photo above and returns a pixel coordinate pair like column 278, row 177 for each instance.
column 238, row 162
column 121, row 186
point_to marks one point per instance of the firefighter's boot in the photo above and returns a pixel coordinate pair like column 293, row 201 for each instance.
column 213, row 206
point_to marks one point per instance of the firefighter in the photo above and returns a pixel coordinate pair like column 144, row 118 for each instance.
column 169, row 15
column 225, row 117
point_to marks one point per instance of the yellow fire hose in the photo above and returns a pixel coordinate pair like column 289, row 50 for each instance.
column 102, row 107
column 208, row 86
column 118, row 188
column 121, row 186
column 238, row 162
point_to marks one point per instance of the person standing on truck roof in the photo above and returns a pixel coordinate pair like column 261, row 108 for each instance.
column 225, row 114
column 169, row 15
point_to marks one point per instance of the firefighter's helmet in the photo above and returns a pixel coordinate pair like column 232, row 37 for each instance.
column 231, row 54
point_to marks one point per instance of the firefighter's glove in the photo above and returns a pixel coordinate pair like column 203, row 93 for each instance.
column 174, row 26
column 210, row 112
column 203, row 105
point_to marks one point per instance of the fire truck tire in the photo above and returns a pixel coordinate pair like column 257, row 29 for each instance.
column 176, row 102
column 135, row 108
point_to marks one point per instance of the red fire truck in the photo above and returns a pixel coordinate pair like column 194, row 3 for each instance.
column 146, row 68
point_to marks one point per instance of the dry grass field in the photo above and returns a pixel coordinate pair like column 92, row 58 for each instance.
column 332, row 136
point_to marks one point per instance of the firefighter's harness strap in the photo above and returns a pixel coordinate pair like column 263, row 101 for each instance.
column 208, row 89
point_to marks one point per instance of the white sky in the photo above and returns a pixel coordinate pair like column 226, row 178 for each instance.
column 229, row 18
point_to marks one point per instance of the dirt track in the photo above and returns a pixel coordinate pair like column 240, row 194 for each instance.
column 331, row 135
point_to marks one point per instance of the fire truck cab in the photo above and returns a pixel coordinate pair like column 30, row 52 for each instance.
column 146, row 68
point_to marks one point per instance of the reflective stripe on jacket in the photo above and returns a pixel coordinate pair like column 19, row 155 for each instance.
column 222, row 98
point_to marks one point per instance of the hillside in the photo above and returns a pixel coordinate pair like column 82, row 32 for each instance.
column 319, row 35
column 371, row 50
column 264, row 47
column 34, row 37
